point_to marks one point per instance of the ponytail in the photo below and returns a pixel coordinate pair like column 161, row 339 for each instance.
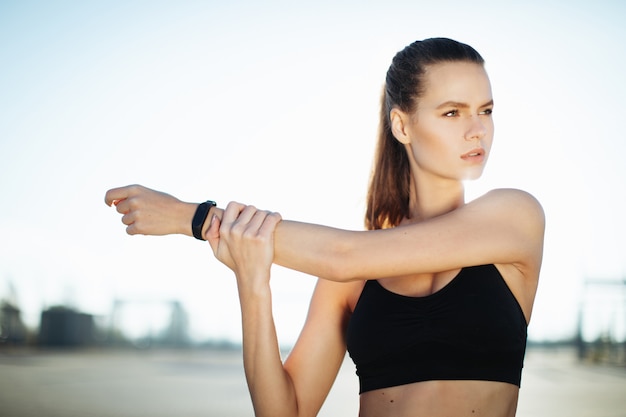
column 388, row 194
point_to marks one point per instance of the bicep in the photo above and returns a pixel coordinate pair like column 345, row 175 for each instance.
column 315, row 360
column 505, row 226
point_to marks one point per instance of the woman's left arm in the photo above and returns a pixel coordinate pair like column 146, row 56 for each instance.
column 504, row 226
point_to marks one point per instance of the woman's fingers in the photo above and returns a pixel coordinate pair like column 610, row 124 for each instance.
column 235, row 218
column 231, row 213
column 212, row 234
column 249, row 222
column 269, row 223
column 261, row 226
column 122, row 206
column 242, row 229
column 151, row 212
column 115, row 195
column 247, row 225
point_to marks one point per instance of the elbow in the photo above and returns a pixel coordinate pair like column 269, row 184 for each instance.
column 342, row 264
column 335, row 274
column 339, row 273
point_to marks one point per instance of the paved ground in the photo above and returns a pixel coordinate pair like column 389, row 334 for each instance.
column 211, row 383
column 555, row 383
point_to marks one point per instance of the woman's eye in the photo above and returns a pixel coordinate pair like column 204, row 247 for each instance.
column 451, row 113
column 487, row 112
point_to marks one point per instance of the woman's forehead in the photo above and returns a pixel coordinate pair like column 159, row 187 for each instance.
column 456, row 81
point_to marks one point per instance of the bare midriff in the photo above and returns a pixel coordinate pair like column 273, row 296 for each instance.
column 442, row 398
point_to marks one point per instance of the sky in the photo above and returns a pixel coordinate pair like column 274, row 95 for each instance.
column 276, row 104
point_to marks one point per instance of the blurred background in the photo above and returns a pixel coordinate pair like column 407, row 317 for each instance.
column 276, row 103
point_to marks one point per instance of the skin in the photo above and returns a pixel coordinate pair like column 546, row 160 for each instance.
column 421, row 256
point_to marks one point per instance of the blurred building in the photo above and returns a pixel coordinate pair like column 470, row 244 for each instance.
column 602, row 322
column 12, row 328
column 64, row 327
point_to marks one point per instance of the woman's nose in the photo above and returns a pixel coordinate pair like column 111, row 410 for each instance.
column 476, row 129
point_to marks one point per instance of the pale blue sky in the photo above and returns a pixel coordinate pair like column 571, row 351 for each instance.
column 276, row 105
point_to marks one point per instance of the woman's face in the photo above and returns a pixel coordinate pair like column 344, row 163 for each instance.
column 451, row 131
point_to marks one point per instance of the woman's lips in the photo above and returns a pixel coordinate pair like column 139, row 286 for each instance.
column 476, row 155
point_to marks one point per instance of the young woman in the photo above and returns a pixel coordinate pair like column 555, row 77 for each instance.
column 432, row 301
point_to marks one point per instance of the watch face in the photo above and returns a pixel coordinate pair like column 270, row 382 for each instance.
column 200, row 217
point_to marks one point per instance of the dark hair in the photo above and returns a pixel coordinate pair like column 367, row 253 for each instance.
column 389, row 189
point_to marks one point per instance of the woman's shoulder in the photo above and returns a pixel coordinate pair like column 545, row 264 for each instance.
column 513, row 203
column 512, row 194
column 515, row 212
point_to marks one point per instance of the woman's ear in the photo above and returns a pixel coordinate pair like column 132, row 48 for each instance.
column 399, row 123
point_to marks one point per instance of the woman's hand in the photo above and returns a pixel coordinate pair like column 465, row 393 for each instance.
column 150, row 212
column 244, row 241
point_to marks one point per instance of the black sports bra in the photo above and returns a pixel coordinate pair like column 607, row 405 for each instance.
column 472, row 329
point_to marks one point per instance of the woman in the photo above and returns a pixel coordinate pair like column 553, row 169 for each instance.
column 432, row 301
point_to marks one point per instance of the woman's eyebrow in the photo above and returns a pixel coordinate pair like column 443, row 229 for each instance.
column 461, row 105
column 457, row 104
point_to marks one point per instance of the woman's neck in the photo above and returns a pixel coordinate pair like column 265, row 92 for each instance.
column 430, row 199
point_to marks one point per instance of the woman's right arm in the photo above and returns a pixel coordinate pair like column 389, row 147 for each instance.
column 300, row 385
column 320, row 350
column 243, row 241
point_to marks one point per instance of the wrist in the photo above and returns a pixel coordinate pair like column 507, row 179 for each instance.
column 186, row 212
column 200, row 217
column 254, row 290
